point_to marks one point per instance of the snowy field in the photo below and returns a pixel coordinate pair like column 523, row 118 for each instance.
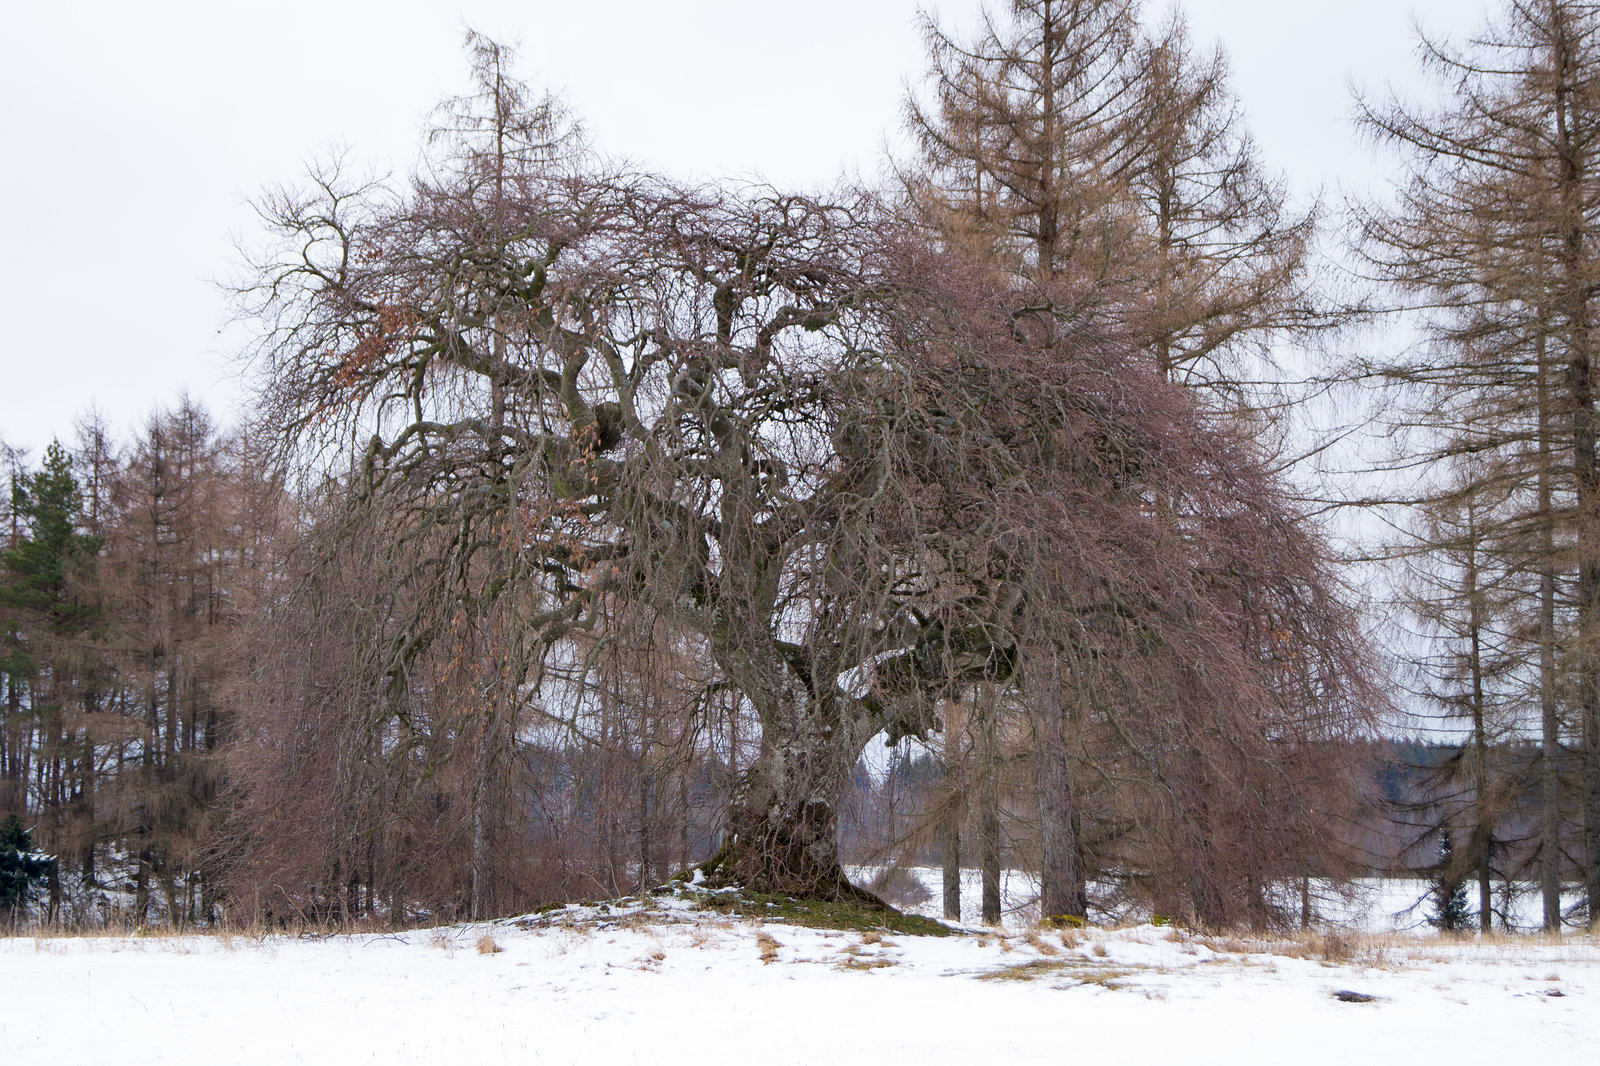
column 662, row 981
column 1370, row 905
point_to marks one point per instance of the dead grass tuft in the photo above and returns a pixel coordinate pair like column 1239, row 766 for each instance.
column 1336, row 946
column 1104, row 978
column 899, row 888
column 852, row 961
column 487, row 946
column 1025, row 971
column 767, row 946
column 1040, row 944
column 1229, row 945
column 1396, row 950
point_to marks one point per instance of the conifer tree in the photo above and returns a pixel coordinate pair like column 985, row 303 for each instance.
column 20, row 868
column 1067, row 143
column 1492, row 238
column 47, row 612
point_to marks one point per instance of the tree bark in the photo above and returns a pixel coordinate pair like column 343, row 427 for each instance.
column 988, row 797
column 783, row 832
column 1576, row 288
column 1485, row 887
column 989, row 854
column 1549, row 722
column 950, row 858
column 1062, row 892
column 955, row 781
column 644, row 814
column 482, row 859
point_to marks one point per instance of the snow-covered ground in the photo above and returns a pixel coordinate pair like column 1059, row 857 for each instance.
column 661, row 981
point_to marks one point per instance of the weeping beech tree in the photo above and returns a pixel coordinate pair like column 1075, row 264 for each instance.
column 1069, row 143
column 853, row 473
column 1132, row 584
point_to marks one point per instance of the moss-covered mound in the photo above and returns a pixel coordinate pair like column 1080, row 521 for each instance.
column 820, row 914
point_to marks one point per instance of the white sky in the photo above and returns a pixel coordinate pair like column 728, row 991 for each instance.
column 133, row 135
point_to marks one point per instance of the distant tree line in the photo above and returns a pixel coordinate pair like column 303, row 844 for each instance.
column 126, row 579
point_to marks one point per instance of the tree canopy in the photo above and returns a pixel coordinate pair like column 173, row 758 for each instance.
column 849, row 469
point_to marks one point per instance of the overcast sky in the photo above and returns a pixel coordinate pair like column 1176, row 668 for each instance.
column 134, row 135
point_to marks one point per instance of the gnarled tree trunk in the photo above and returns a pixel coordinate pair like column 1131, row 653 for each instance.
column 783, row 833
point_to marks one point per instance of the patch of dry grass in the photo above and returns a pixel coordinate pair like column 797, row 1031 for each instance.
column 1080, row 971
column 852, row 961
column 1391, row 950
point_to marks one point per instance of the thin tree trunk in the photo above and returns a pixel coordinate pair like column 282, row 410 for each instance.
column 86, row 814
column 1576, row 287
column 168, row 882
column 988, row 797
column 1549, row 723
column 1482, row 832
column 645, row 842
column 955, row 782
column 1485, row 888
column 1591, row 801
column 683, row 823
column 482, row 852
column 1062, row 892
column 950, row 857
column 53, row 912
column 141, row 888
column 15, row 798
column 1549, row 763
column 989, row 855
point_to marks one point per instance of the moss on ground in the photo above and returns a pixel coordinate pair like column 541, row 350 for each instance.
column 821, row 914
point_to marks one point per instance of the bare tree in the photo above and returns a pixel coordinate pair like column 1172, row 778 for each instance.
column 1492, row 239
column 1466, row 586
column 1063, row 141
column 1066, row 139
column 814, row 445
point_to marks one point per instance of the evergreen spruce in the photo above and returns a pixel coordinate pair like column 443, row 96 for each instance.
column 1448, row 892
column 20, row 869
column 35, row 600
column 36, row 569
